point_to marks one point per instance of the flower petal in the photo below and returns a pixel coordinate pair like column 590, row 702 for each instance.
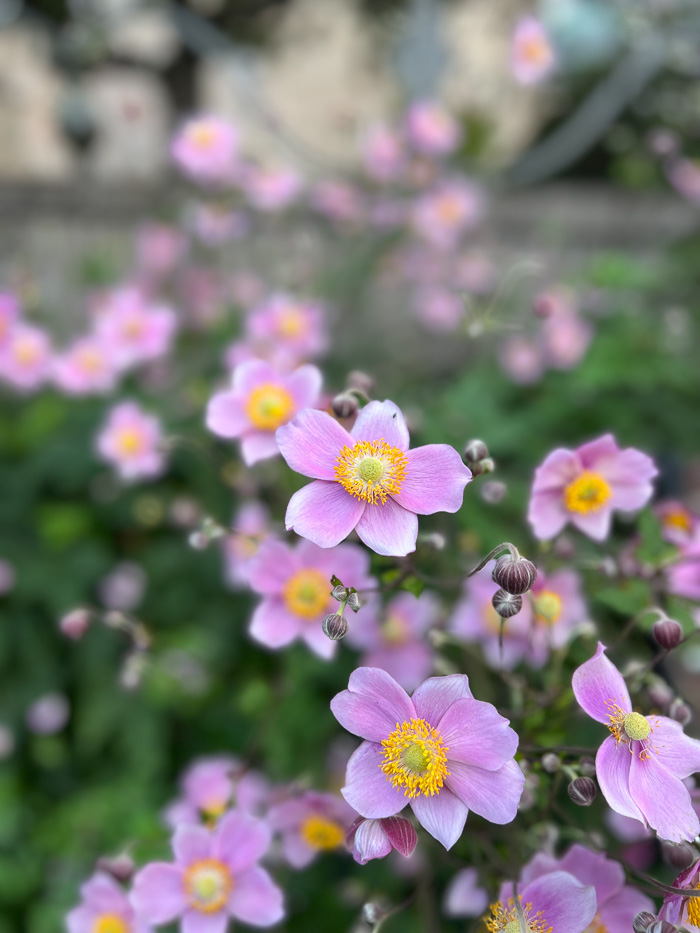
column 594, row 868
column 596, row 683
column 252, row 373
column 678, row 752
column 311, row 442
column 663, row 799
column 612, row 768
column 547, row 514
column 325, row 513
column 367, row 788
column 476, row 734
column 304, row 384
column 256, row 899
column 191, row 843
column 594, row 524
column 464, row 897
column 435, row 696
column 443, row 815
column 259, row 445
column 272, row 625
column 370, row 842
column 382, row 420
column 225, row 415
column 158, row 892
column 401, row 834
column 195, row 921
column 567, row 905
column 272, row 567
column 435, row 480
column 388, row 529
column 241, row 840
column 619, row 912
column 372, row 705
column 317, row 641
column 495, row 795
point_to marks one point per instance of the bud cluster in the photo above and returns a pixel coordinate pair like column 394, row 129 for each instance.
column 476, row 456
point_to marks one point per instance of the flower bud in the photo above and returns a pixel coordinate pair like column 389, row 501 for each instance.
column 335, row 626
column 353, row 602
column 198, row 540
column 493, row 491
column 515, row 575
column 582, row 791
column 474, row 452
column 339, row 592
column 487, row 465
column 643, row 921
column 661, row 926
column 587, row 767
column 680, row 712
column 344, row 405
column 120, row 867
column 668, row 633
column 659, row 692
column 677, row 855
column 550, row 762
column 361, row 381
column 506, row 604
column 75, row 623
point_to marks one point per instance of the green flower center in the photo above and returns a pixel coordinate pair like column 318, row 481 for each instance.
column 416, row 758
column 636, row 726
column 370, row 469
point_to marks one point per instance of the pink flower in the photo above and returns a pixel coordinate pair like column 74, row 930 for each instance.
column 678, row 522
column 25, row 357
column 286, row 326
column 684, row 575
column 215, row 224
column 397, row 645
column 464, row 896
column 382, row 153
column 210, row 786
column 134, row 330
column 338, row 201
column 556, row 902
column 681, row 909
column 215, row 876
column 565, row 339
column 367, row 479
column 684, row 175
column 585, row 485
column 296, row 589
column 449, row 210
column 48, row 714
column 532, row 57
column 617, row 902
column 310, row 824
column 640, row 766
column 260, row 400
column 9, row 315
column 431, row 129
column 372, row 839
column 130, row 440
column 251, row 526
column 522, row 359
column 442, row 751
column 159, row 250
column 104, row 907
column 439, row 308
column 271, row 189
column 85, row 367
column 205, row 149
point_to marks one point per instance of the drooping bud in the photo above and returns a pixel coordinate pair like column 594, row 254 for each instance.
column 120, row 867
column 474, row 452
column 401, row 833
column 359, row 380
column 339, row 592
column 582, row 791
column 493, row 491
column 677, row 855
column 506, row 604
column 515, row 575
column 643, row 921
column 344, row 405
column 75, row 623
column 335, row 626
column 668, row 633
column 680, row 712
column 550, row 762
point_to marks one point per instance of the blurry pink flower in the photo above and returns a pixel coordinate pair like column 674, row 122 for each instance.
column 464, row 896
column 215, row 224
column 26, row 357
column 88, row 366
column 134, row 330
column 684, row 175
column 439, row 308
column 640, row 767
column 260, row 400
column 246, row 288
column 271, row 189
column 383, row 153
column 159, row 250
column 475, row 272
column 554, row 902
column 367, row 480
column 684, row 575
column 251, row 526
column 202, row 295
column 678, row 522
column 532, row 57
column 397, row 644
column 372, row 839
column 75, row 623
column 431, row 129
column 522, row 360
column 295, row 584
column 48, row 714
column 9, row 315
column 338, row 201
column 585, row 485
column 104, row 908
column 130, row 440
column 215, row 876
column 210, row 786
column 123, row 587
column 681, row 909
column 205, row 149
column 565, row 339
column 309, row 824
column 449, row 210
column 293, row 326
column 640, row 845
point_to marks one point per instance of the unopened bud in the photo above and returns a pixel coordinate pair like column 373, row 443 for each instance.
column 120, row 867
column 487, row 465
column 339, row 592
column 582, row 791
column 515, row 575
column 75, row 623
column 344, row 405
column 353, row 602
column 506, row 604
column 474, row 452
column 668, row 633
column 359, row 380
column 587, row 767
column 335, row 626
column 434, row 540
column 677, row 855
column 493, row 491
column 643, row 921
column 661, row 926
column 680, row 712
column 550, row 762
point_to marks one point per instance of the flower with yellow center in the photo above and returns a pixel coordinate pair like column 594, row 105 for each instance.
column 291, row 322
column 678, row 518
column 110, row 923
column 321, row 833
column 536, row 51
column 130, row 442
column 26, row 352
column 415, row 759
column 202, row 135
column 630, row 727
column 90, row 360
column 547, row 605
column 208, row 884
column 692, row 909
column 134, row 327
column 269, row 406
column 449, row 209
column 587, row 493
column 307, row 593
column 597, row 926
column 371, row 470
column 504, row 919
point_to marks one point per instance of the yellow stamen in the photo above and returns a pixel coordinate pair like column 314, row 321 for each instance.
column 109, row 923
column 587, row 493
column 291, row 322
column 202, row 135
column 547, row 606
column 630, row 727
column 268, row 406
column 212, row 809
column 597, row 926
column 692, row 909
column 307, row 593
column 415, row 759
column 535, row 51
column 504, row 919
column 449, row 209
column 208, row 884
column 636, row 726
column 678, row 518
column 320, row 833
column 89, row 360
column 130, row 442
column 371, row 470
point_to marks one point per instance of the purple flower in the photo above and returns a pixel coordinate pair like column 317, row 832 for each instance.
column 310, row 824
column 464, row 897
column 368, row 479
column 295, row 584
column 431, row 129
column 210, row 786
column 641, row 765
column 215, row 876
column 25, row 357
column 372, row 839
column 134, row 330
column 442, row 751
column 271, row 189
column 259, row 401
column 555, row 902
column 130, row 441
column 583, row 486
column 449, row 210
column 682, row 909
column 618, row 903
column 86, row 366
column 104, row 908
column 205, row 149
column 397, row 645
column 532, row 57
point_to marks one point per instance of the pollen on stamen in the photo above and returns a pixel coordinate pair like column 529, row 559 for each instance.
column 415, row 759
column 371, row 470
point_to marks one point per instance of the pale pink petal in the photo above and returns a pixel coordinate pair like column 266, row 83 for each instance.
column 260, row 445
column 158, row 893
column 241, row 840
column 372, row 705
column 225, row 415
column 296, row 851
column 663, row 799
column 464, row 897
column 256, row 899
column 408, row 664
column 434, row 697
column 594, row 524
column 191, row 843
column 304, row 385
column 196, row 921
column 443, row 815
column 435, row 480
column 82, row 919
column 272, row 566
column 559, row 469
column 594, row 868
column 598, row 684
column 320, row 644
column 495, row 795
column 370, row 842
column 252, row 373
column 677, row 752
column 619, row 912
column 612, row 766
column 272, row 625
column 476, row 734
column 367, row 788
column 599, row 452
column 547, row 514
column 567, row 906
column 381, row 420
column 388, row 529
column 311, row 443
column 323, row 512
